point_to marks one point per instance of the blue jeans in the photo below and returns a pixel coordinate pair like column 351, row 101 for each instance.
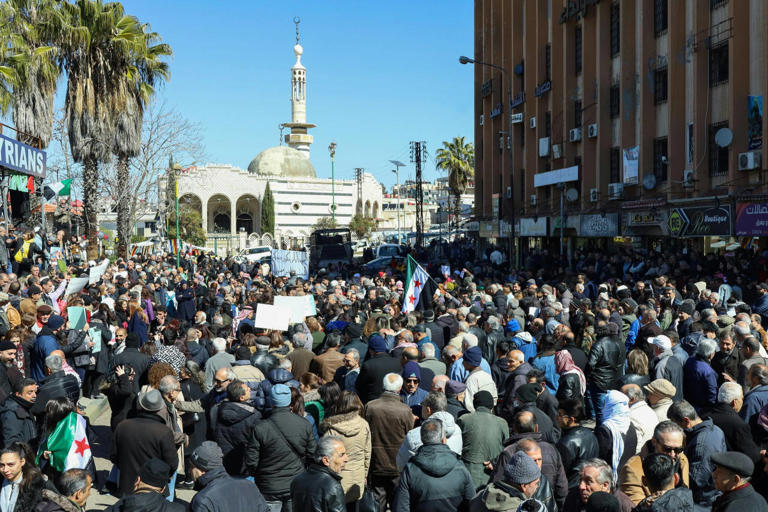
column 597, row 399
column 172, row 487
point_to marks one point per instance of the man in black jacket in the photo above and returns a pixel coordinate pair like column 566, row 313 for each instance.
column 577, row 444
column 731, row 474
column 16, row 422
column 7, row 358
column 56, row 385
column 236, row 419
column 603, row 367
column 319, row 487
column 278, row 448
column 147, row 494
column 132, row 357
column 220, row 492
column 435, row 330
column 369, row 384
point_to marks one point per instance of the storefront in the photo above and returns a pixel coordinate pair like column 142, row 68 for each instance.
column 751, row 224
column 700, row 222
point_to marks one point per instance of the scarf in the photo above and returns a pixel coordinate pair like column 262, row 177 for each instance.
column 564, row 364
column 616, row 419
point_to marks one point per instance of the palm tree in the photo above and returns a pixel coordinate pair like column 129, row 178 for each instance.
column 457, row 158
column 31, row 29
column 99, row 41
column 131, row 95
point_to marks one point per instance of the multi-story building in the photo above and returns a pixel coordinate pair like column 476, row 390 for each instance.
column 644, row 117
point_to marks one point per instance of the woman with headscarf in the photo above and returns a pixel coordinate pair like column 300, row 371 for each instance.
column 573, row 383
column 616, row 437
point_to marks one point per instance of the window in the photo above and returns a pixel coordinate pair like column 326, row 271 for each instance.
column 660, row 85
column 660, row 20
column 548, row 124
column 577, row 114
column 615, row 164
column 615, row 107
column 718, row 64
column 548, row 61
column 714, row 4
column 660, row 164
column 522, row 136
column 615, row 30
column 718, row 157
column 577, row 49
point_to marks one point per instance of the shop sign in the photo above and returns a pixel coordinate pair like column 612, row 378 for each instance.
column 700, row 221
column 497, row 110
column 576, row 9
column 751, row 219
column 646, row 218
column 533, row 227
column 571, row 222
column 599, row 226
column 518, row 99
column 20, row 157
column 542, row 88
column 489, row 229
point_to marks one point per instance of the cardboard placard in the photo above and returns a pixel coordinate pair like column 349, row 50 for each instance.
column 75, row 285
column 76, row 316
column 272, row 317
column 300, row 307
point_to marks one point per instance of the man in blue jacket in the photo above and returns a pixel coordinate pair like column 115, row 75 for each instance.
column 45, row 343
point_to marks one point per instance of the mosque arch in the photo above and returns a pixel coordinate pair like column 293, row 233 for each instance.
column 367, row 212
column 193, row 202
column 219, row 214
column 247, row 208
column 359, row 207
column 375, row 209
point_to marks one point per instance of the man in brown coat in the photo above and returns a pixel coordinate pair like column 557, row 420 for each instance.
column 326, row 364
column 390, row 420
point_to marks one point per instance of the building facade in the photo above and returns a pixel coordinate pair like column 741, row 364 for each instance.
column 643, row 118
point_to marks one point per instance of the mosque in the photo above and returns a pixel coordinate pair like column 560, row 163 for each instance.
column 229, row 199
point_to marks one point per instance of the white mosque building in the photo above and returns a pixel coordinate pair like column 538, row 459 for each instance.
column 229, row 199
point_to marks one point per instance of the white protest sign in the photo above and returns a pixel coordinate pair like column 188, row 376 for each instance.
column 300, row 307
column 272, row 317
column 284, row 261
column 97, row 272
column 75, row 285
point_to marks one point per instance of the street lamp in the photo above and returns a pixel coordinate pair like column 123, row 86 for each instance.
column 332, row 151
column 467, row 60
column 398, row 164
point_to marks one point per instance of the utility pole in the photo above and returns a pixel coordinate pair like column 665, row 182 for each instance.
column 359, row 181
column 332, row 151
column 398, row 164
column 418, row 155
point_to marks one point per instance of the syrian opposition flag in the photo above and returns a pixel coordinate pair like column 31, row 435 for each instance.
column 416, row 280
column 60, row 188
column 68, row 444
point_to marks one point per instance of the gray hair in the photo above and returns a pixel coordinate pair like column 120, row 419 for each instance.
column 728, row 392
column 71, row 481
column 633, row 392
column 286, row 364
column 436, row 401
column 432, row 431
column 230, row 373
column 604, row 474
column 54, row 362
column 220, row 344
column 299, row 339
column 682, row 410
column 326, row 446
column 407, row 336
column 464, row 326
column 167, row 384
column 393, row 382
column 428, row 350
column 470, row 340
column 665, row 427
column 354, row 353
column 706, row 347
column 493, row 322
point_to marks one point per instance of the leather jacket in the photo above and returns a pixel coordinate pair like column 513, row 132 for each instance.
column 264, row 361
column 604, row 363
column 319, row 488
column 569, row 387
column 576, row 445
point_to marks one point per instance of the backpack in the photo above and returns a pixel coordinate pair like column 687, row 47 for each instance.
column 23, row 252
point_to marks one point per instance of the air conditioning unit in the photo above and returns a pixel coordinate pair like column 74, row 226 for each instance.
column 533, row 199
column 593, row 195
column 544, row 146
column 482, row 119
column 509, row 192
column 688, row 178
column 592, row 131
column 615, row 190
column 556, row 151
column 750, row 160
column 532, row 122
column 574, row 134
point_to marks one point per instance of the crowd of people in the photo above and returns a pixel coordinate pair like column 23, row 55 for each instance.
column 629, row 381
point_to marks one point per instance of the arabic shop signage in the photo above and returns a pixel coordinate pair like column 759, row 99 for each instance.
column 576, row 9
column 646, row 218
column 599, row 225
column 700, row 221
column 19, row 157
column 542, row 88
column 751, row 219
column 518, row 99
column 497, row 110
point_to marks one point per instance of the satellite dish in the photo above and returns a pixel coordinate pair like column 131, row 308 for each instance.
column 724, row 137
column 572, row 194
column 649, row 182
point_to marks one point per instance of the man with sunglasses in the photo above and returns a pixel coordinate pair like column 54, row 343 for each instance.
column 667, row 439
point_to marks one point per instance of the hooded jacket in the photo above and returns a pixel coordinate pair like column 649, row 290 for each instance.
column 412, row 441
column 702, row 441
column 678, row 499
column 233, row 426
column 497, row 496
column 145, row 502
column 434, row 480
column 221, row 493
column 17, row 422
column 356, row 433
column 276, row 376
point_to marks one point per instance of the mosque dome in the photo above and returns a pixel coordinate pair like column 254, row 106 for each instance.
column 282, row 161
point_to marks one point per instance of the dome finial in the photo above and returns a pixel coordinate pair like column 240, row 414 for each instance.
column 297, row 20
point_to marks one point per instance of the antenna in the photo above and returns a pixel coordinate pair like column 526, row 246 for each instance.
column 297, row 20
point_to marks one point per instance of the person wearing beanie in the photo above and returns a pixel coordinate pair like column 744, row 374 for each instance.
column 147, row 493
column 435, row 477
column 520, row 482
column 7, row 359
column 278, row 448
column 478, row 379
column 411, row 394
column 369, row 384
column 220, row 492
column 483, row 435
column 685, row 318
column 131, row 356
column 45, row 343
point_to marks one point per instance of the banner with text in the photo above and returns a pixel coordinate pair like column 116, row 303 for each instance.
column 284, row 262
column 751, row 219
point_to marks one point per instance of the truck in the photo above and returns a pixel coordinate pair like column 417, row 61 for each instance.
column 330, row 246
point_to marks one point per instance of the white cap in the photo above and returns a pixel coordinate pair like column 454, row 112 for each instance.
column 661, row 341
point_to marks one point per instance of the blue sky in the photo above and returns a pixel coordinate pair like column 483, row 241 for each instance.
column 379, row 74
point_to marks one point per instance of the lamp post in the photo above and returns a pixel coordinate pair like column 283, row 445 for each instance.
column 398, row 164
column 175, row 170
column 467, row 60
column 332, row 151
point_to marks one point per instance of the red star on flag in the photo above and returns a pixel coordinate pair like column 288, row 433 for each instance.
column 412, row 299
column 417, row 283
column 82, row 445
